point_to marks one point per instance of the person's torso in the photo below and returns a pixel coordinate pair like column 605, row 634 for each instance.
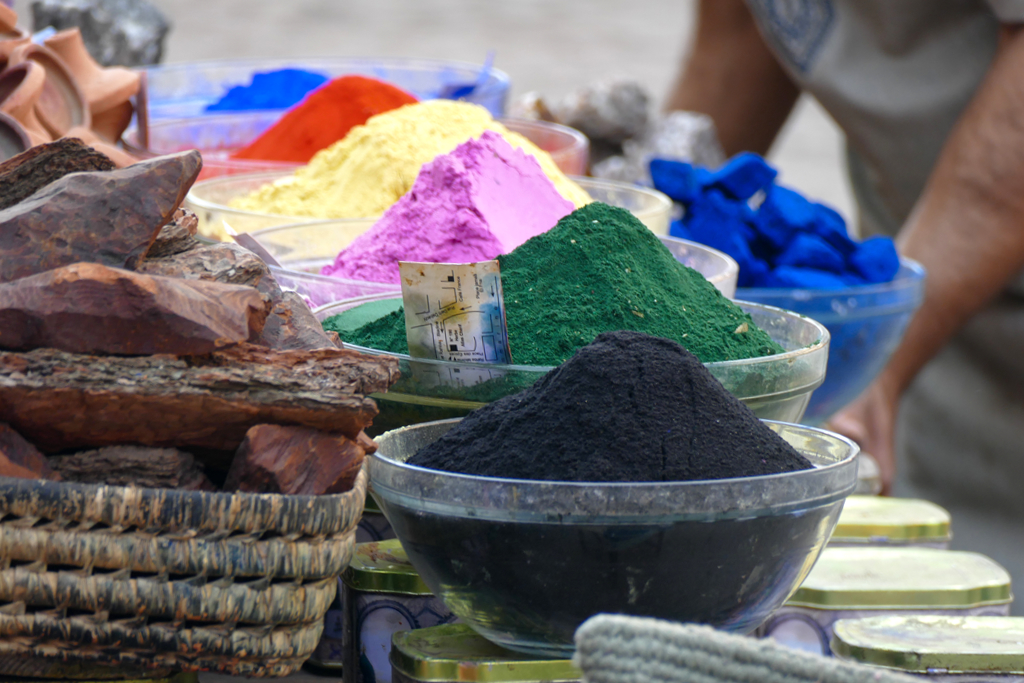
column 894, row 74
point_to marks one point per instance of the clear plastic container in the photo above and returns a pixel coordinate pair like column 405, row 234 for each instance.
column 866, row 322
column 569, row 148
column 525, row 562
column 186, row 89
column 853, row 583
column 653, row 208
column 217, row 136
column 319, row 290
column 775, row 387
column 954, row 649
column 209, row 199
column 304, row 248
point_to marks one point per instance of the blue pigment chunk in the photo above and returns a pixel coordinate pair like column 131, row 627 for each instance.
column 717, row 222
column 681, row 181
column 807, row 250
column 876, row 260
column 831, row 227
column 803, row 278
column 743, row 175
column 782, row 214
column 279, row 89
column 786, row 241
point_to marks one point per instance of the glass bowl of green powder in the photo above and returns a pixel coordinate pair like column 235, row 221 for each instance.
column 304, row 248
column 776, row 386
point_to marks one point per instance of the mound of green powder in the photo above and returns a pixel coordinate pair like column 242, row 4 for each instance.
column 598, row 270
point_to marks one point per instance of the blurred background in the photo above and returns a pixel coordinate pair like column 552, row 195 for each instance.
column 547, row 46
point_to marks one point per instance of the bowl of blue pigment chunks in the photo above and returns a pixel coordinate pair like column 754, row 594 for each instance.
column 628, row 481
column 795, row 254
column 190, row 89
column 599, row 269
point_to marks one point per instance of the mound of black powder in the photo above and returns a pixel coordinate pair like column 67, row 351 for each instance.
column 627, row 407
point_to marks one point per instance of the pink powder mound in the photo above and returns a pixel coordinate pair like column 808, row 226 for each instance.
column 483, row 199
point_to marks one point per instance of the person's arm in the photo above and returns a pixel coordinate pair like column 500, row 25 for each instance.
column 732, row 76
column 967, row 229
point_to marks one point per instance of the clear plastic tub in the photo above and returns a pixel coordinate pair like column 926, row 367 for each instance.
column 319, row 290
column 209, row 199
column 724, row 552
column 866, row 323
column 775, row 387
column 653, row 208
column 304, row 248
column 217, row 136
column 186, row 89
column 569, row 148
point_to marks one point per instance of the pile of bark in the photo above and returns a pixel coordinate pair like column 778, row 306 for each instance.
column 131, row 353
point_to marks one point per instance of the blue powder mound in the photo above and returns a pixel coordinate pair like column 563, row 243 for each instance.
column 787, row 241
column 279, row 89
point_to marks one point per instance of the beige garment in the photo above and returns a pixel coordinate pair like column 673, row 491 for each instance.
column 896, row 75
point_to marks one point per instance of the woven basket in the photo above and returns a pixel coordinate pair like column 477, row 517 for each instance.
column 110, row 576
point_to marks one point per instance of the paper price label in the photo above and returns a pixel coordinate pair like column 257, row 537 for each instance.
column 455, row 311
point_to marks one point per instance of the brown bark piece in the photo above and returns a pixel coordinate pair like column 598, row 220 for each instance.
column 32, row 170
column 20, row 452
column 109, row 217
column 224, row 262
column 177, row 236
column 294, row 460
column 160, row 468
column 291, row 325
column 368, row 445
column 90, row 308
column 60, row 401
column 10, row 469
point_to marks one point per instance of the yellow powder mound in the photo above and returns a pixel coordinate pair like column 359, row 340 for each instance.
column 369, row 169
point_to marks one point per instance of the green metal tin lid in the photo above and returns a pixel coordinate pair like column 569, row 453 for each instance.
column 455, row 652
column 894, row 519
column 934, row 644
column 383, row 567
column 902, row 578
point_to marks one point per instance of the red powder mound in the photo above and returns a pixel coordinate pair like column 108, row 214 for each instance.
column 325, row 116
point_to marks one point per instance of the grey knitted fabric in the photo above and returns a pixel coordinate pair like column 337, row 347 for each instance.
column 619, row 649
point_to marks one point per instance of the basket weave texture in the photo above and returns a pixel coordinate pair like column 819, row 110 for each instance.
column 165, row 580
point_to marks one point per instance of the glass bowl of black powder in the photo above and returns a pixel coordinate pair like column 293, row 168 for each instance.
column 633, row 484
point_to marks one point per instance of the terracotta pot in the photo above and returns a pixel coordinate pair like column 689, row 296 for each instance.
column 13, row 138
column 142, row 111
column 104, row 89
column 9, row 42
column 112, row 123
column 116, row 154
column 20, row 89
column 61, row 105
column 8, row 19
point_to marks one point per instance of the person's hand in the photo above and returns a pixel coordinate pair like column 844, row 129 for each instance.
column 871, row 421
